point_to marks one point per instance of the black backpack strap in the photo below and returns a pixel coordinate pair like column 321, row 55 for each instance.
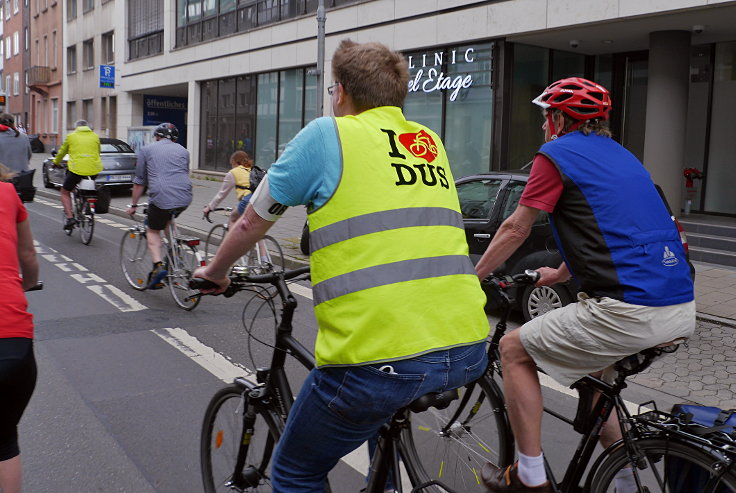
column 724, row 416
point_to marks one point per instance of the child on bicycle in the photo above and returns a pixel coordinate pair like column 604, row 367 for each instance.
column 238, row 178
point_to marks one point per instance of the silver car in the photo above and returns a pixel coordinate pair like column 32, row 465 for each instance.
column 118, row 166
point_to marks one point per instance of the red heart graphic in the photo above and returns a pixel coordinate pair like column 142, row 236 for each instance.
column 420, row 145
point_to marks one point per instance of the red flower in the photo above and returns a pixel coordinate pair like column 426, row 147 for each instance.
column 691, row 174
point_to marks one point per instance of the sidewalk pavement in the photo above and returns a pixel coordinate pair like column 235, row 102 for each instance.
column 705, row 371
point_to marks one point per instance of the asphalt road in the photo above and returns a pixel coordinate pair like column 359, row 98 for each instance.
column 125, row 376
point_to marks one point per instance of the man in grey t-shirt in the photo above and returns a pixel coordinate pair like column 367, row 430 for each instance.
column 163, row 166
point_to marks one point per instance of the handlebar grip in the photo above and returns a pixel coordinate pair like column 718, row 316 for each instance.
column 532, row 275
column 200, row 283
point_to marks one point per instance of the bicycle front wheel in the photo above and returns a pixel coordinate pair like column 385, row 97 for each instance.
column 182, row 263
column 233, row 458
column 86, row 218
column 452, row 445
column 214, row 239
column 665, row 465
column 134, row 258
column 265, row 257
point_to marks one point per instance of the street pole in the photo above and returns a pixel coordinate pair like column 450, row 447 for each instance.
column 321, row 18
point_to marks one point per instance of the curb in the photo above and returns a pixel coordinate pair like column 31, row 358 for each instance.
column 289, row 262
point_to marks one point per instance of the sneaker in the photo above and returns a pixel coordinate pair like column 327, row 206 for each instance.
column 70, row 223
column 507, row 480
column 156, row 277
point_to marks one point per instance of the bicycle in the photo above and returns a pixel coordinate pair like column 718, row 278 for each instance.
column 180, row 260
column 266, row 256
column 84, row 200
column 245, row 419
column 452, row 445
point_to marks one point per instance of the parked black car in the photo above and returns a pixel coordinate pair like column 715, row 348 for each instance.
column 485, row 201
column 118, row 161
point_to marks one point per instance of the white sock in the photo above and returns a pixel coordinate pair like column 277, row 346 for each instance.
column 531, row 470
column 625, row 481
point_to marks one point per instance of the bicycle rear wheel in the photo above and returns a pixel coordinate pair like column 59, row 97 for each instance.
column 134, row 258
column 182, row 263
column 265, row 257
column 213, row 241
column 231, row 459
column 451, row 445
column 86, row 218
column 667, row 465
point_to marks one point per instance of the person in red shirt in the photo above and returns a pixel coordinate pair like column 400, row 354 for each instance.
column 17, row 362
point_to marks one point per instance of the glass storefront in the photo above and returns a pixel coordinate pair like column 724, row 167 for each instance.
column 720, row 174
column 451, row 92
column 255, row 113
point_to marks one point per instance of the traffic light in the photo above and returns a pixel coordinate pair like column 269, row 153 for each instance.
column 2, row 99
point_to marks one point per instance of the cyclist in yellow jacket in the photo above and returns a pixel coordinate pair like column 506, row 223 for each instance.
column 399, row 311
column 83, row 147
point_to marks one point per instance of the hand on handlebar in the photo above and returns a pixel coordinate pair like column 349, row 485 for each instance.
column 222, row 284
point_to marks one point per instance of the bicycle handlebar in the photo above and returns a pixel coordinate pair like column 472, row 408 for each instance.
column 527, row 278
column 207, row 216
column 239, row 281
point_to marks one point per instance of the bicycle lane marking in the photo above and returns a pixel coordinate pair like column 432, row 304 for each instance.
column 101, row 220
column 227, row 370
column 116, row 297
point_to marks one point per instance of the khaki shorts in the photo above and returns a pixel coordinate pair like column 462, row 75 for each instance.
column 592, row 334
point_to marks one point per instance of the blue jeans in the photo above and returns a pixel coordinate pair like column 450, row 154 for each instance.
column 244, row 203
column 339, row 408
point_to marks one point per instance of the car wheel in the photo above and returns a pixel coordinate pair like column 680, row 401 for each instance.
column 539, row 300
column 45, row 176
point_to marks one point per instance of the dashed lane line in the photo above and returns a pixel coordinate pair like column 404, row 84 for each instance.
column 116, row 297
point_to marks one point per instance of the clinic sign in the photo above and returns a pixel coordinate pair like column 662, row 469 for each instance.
column 428, row 70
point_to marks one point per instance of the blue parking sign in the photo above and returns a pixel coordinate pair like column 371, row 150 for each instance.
column 107, row 76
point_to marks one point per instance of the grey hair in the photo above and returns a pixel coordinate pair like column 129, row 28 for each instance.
column 81, row 123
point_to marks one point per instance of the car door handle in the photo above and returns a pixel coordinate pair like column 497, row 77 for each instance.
column 483, row 236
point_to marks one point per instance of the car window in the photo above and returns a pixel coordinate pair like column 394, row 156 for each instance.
column 515, row 189
column 121, row 147
column 478, row 197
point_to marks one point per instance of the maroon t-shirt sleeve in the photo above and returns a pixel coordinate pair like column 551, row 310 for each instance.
column 544, row 187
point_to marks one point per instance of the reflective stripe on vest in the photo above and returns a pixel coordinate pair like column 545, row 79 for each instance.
column 390, row 268
column 382, row 221
column 242, row 181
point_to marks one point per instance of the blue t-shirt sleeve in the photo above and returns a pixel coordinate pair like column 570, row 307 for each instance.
column 306, row 172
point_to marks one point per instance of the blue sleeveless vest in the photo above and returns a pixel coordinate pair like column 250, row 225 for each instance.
column 611, row 225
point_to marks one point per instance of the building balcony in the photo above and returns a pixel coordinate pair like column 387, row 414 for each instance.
column 39, row 76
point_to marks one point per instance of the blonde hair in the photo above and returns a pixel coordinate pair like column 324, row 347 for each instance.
column 241, row 158
column 6, row 174
column 371, row 74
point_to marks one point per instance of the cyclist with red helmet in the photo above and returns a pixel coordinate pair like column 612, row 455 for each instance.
column 619, row 243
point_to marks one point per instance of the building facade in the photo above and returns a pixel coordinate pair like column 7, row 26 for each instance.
column 89, row 61
column 45, row 71
column 240, row 75
column 15, row 29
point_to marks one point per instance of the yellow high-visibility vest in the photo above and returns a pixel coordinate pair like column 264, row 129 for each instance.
column 390, row 268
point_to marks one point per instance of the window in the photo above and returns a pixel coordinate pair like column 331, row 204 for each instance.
column 71, row 114
column 26, row 41
column 2, row 45
column 8, row 47
column 26, row 88
column 54, row 56
column 16, row 43
column 108, row 48
column 54, row 116
column 71, row 9
column 88, row 108
column 15, row 7
column 7, row 84
column 88, row 54
column 16, row 84
column 145, row 28
column 45, row 51
column 38, row 53
column 71, row 60
column 88, row 5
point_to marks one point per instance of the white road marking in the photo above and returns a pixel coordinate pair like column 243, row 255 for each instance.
column 203, row 355
column 117, row 298
column 301, row 290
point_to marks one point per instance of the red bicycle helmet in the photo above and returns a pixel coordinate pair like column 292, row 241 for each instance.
column 579, row 98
